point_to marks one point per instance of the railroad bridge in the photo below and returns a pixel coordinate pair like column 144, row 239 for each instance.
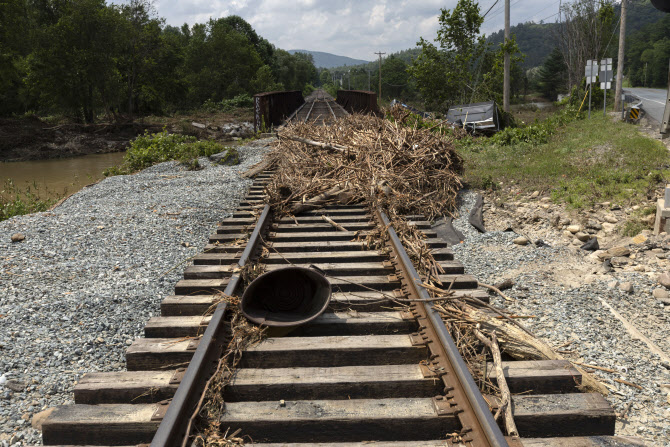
column 275, row 108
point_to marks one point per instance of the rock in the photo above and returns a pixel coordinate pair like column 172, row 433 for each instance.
column 639, row 239
column 506, row 284
column 582, row 236
column 649, row 220
column 608, row 227
column 545, row 199
column 619, row 251
column 664, row 280
column 521, row 241
column 610, row 219
column 626, row 287
column 593, row 225
column 619, row 261
column 39, row 418
column 574, row 228
column 639, row 268
column 566, row 233
column 540, row 243
column 591, row 245
column 18, row 237
column 612, row 284
column 635, row 207
column 15, row 385
column 535, row 194
column 660, row 294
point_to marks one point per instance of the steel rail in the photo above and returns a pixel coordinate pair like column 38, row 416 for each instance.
column 309, row 112
column 172, row 430
column 479, row 429
column 331, row 110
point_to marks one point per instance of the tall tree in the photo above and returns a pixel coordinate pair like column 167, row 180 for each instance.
column 583, row 33
column 74, row 65
column 551, row 77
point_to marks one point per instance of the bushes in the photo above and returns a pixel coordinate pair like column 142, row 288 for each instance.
column 243, row 101
column 536, row 133
column 150, row 149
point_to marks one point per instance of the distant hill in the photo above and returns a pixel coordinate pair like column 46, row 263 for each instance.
column 328, row 60
column 536, row 40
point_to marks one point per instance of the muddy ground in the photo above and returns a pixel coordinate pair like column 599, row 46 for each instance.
column 24, row 139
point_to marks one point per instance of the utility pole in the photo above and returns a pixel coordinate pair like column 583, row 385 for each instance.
column 380, row 75
column 507, row 63
column 618, row 103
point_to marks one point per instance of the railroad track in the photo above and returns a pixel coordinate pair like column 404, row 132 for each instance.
column 364, row 371
column 319, row 108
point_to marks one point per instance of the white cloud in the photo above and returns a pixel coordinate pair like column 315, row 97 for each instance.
column 349, row 28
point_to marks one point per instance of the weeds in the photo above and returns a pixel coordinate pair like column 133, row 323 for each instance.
column 15, row 201
column 150, row 149
column 580, row 162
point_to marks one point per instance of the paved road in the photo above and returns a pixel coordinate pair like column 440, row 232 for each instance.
column 653, row 100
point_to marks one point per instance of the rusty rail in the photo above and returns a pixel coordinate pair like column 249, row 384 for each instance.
column 173, row 430
column 462, row 396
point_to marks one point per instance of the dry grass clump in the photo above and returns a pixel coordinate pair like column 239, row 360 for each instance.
column 362, row 158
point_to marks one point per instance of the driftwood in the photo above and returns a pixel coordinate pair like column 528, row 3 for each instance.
column 334, row 147
column 522, row 346
column 505, row 406
column 333, row 223
column 260, row 167
column 338, row 193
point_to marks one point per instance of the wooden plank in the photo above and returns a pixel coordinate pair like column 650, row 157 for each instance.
column 112, row 424
column 577, row 414
column 385, row 381
column 245, row 229
column 364, row 268
column 238, row 221
column 314, row 236
column 356, row 323
column 132, row 387
column 210, row 271
column 320, row 227
column 217, row 258
column 288, row 247
column 227, row 238
column 325, row 257
column 539, row 376
column 176, row 305
column 148, row 354
column 333, row 351
column 176, row 326
column 337, row 420
column 200, row 286
column 577, row 441
column 317, row 218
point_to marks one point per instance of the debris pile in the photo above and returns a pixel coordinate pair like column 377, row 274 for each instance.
column 404, row 169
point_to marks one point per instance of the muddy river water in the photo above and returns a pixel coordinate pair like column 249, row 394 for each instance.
column 58, row 177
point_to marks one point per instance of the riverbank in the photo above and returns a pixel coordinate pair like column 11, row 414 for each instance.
column 30, row 138
column 91, row 272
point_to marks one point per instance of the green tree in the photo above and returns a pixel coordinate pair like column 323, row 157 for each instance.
column 551, row 77
column 73, row 66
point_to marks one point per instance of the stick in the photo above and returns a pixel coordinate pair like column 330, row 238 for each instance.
column 625, row 382
column 336, row 147
column 496, row 290
column 595, row 367
column 333, row 223
column 259, row 167
column 505, row 406
column 317, row 201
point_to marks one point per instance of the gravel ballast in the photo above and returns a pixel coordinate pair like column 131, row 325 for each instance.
column 90, row 273
column 552, row 284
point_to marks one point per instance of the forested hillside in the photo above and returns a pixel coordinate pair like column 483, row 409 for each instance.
column 647, row 54
column 87, row 58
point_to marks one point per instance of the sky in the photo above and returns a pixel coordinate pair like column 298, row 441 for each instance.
column 356, row 29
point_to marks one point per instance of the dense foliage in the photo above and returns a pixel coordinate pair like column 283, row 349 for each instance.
column 647, row 54
column 84, row 58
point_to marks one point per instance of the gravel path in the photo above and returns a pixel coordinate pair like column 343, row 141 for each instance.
column 90, row 273
column 569, row 308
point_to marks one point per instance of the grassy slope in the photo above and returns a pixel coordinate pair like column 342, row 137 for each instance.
column 586, row 161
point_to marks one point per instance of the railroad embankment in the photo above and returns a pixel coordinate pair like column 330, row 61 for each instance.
column 89, row 274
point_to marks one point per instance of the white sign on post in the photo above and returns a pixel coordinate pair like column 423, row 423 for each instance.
column 591, row 71
column 606, row 74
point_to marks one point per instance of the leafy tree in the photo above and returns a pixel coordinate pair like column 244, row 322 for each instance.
column 394, row 77
column 647, row 54
column 73, row 66
column 461, row 70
